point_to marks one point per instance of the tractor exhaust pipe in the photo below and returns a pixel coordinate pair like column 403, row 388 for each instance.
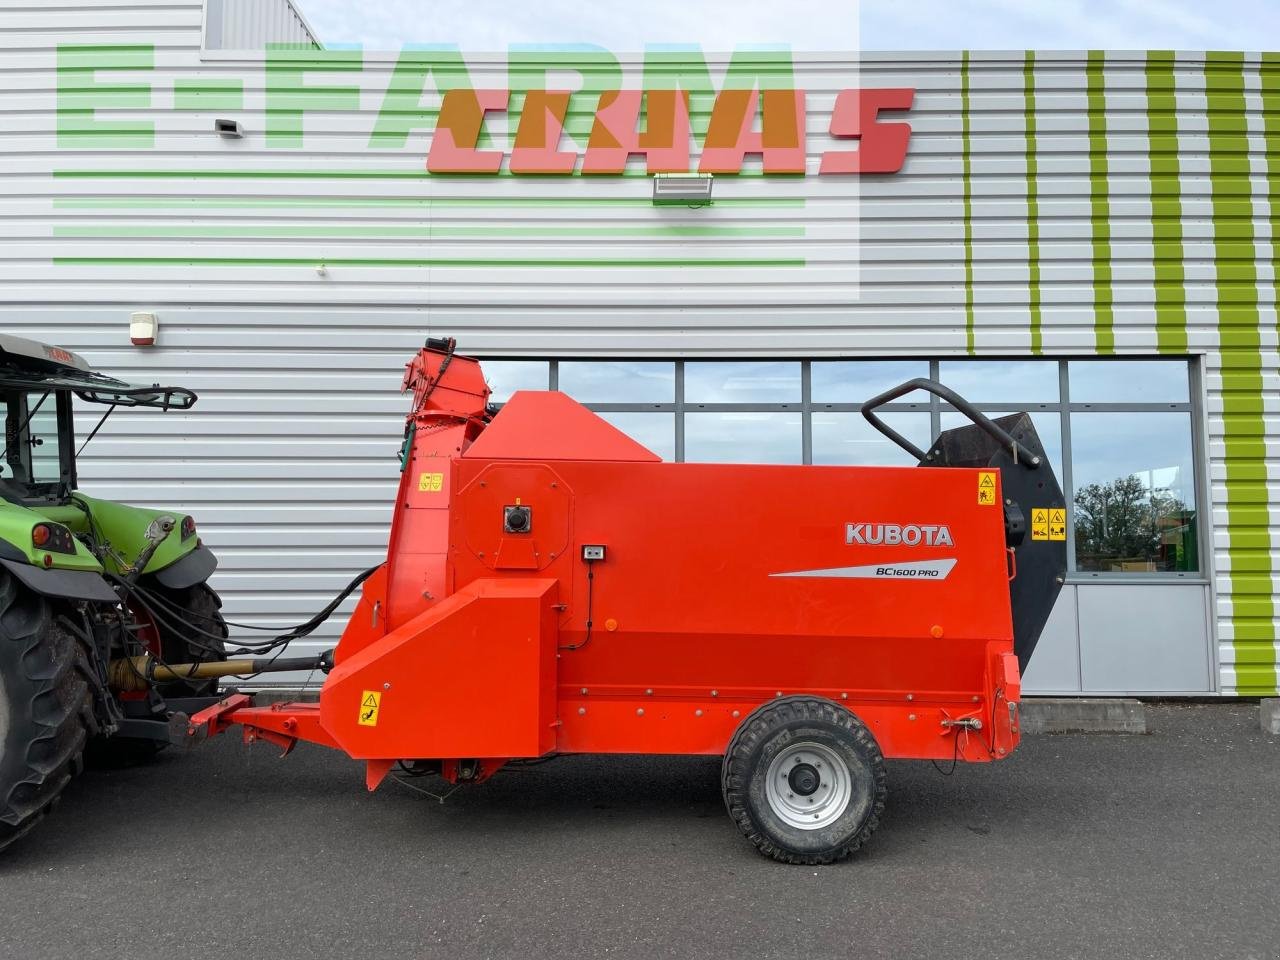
column 133, row 674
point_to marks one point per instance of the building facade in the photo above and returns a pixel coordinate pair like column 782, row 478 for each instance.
column 1085, row 236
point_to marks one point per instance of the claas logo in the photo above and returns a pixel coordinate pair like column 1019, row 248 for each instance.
column 593, row 126
column 665, row 141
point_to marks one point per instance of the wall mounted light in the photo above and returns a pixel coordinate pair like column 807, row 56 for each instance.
column 143, row 328
column 682, row 189
column 228, row 129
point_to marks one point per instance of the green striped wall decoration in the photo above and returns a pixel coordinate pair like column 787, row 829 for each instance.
column 1100, row 203
column 1166, row 204
column 1270, row 82
column 1240, row 343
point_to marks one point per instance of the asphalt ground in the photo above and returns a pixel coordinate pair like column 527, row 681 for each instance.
column 1161, row 846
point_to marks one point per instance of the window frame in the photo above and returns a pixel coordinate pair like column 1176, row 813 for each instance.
column 46, row 490
column 1193, row 406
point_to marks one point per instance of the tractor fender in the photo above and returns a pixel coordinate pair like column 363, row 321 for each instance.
column 196, row 567
column 71, row 584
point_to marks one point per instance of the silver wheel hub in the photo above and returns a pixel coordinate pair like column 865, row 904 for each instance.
column 808, row 786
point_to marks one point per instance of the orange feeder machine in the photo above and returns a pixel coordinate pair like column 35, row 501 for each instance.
column 552, row 586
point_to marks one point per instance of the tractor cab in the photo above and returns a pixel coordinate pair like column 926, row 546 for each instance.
column 37, row 385
column 53, row 537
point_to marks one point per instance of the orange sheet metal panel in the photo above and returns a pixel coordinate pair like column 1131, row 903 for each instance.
column 721, row 587
column 726, row 585
column 577, row 434
column 474, row 676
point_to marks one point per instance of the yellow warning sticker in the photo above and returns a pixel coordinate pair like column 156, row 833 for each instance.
column 986, row 487
column 369, row 705
column 431, row 482
column 1039, row 524
column 1058, row 524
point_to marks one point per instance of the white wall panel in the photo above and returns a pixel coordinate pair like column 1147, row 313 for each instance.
column 288, row 461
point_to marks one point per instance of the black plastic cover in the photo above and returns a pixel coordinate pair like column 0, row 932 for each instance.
column 72, row 584
column 1041, row 563
column 196, row 567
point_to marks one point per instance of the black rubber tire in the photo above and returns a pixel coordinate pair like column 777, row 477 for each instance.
column 47, row 716
column 768, row 731
column 202, row 608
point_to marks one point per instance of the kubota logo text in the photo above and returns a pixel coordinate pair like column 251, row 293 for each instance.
column 893, row 534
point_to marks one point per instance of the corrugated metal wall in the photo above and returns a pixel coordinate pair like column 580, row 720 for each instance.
column 1060, row 204
column 252, row 24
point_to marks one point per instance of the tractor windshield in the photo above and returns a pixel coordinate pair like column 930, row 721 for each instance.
column 37, row 462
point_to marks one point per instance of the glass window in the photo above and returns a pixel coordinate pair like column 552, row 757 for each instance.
column 857, row 381
column 754, row 381
column 1128, row 381
column 505, row 377
column 1048, row 424
column 847, row 438
column 1015, row 382
column 742, row 437
column 46, row 463
column 657, row 431
column 618, row 381
column 31, row 453
column 9, row 410
column 1135, row 498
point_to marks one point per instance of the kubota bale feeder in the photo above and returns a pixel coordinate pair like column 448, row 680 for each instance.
column 552, row 586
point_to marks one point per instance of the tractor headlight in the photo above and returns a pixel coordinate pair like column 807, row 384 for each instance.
column 53, row 536
column 188, row 528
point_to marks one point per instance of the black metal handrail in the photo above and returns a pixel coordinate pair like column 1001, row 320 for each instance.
column 96, row 387
column 163, row 398
column 1019, row 453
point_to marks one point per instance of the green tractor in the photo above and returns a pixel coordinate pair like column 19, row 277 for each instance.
column 97, row 599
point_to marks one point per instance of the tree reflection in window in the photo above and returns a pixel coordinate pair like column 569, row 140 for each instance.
column 1125, row 525
column 1134, row 492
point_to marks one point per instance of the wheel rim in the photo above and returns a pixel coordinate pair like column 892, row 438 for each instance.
column 808, row 786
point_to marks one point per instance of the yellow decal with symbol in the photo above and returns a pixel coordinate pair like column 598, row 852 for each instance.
column 369, row 705
column 1049, row 524
column 431, row 482
column 1058, row 524
column 986, row 487
column 1039, row 524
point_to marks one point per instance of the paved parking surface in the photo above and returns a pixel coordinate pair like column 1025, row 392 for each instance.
column 1160, row 846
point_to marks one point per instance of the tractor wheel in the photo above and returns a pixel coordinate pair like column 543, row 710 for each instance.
column 201, row 608
column 46, row 708
column 804, row 780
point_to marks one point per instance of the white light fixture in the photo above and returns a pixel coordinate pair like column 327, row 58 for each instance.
column 143, row 328
column 682, row 189
column 228, row 129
